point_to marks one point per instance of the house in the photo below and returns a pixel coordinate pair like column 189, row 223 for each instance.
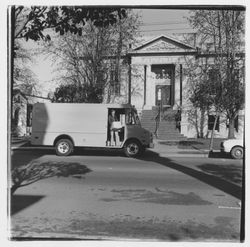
column 21, row 121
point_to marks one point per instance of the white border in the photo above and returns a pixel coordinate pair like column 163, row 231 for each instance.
column 3, row 121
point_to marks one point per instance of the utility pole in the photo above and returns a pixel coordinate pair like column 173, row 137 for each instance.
column 11, row 45
column 129, row 80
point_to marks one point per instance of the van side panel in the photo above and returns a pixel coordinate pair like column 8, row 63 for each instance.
column 86, row 124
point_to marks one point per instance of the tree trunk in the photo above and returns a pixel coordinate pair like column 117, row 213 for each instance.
column 196, row 124
column 231, row 129
column 212, row 134
column 202, row 123
column 13, row 189
column 12, row 23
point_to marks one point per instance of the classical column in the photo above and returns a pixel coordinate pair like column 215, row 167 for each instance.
column 145, row 85
column 173, row 85
column 180, row 84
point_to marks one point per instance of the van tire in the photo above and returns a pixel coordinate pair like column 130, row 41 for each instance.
column 133, row 148
column 64, row 147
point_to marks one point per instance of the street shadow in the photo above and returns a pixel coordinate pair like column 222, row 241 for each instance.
column 228, row 172
column 83, row 151
column 219, row 155
column 20, row 202
column 210, row 179
column 189, row 143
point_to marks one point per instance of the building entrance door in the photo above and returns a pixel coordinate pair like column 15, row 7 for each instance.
column 162, row 96
column 164, row 84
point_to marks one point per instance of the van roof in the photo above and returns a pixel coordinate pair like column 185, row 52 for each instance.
column 92, row 105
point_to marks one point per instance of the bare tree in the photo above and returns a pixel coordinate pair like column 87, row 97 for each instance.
column 95, row 58
column 222, row 34
column 24, row 78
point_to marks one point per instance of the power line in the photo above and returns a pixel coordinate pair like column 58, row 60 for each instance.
column 162, row 23
column 165, row 29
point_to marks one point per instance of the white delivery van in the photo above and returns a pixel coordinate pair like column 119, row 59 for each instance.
column 69, row 125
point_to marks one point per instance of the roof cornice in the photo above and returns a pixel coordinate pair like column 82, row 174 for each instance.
column 146, row 43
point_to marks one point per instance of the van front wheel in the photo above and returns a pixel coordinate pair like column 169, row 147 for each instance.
column 133, row 148
column 64, row 147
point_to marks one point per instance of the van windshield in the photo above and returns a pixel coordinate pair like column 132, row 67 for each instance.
column 132, row 118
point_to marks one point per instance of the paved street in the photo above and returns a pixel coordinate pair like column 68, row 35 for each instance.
column 155, row 198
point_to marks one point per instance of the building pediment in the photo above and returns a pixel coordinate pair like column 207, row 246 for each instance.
column 163, row 44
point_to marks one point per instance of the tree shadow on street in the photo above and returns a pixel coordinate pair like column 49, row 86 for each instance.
column 37, row 170
column 23, row 157
column 211, row 179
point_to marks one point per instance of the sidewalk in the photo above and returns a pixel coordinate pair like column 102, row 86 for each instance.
column 174, row 149
column 22, row 139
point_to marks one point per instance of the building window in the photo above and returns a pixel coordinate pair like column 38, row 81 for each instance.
column 214, row 78
column 115, row 82
column 214, row 74
column 16, row 116
column 236, row 123
column 211, row 120
column 29, row 115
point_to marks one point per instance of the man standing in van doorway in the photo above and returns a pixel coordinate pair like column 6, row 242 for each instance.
column 113, row 131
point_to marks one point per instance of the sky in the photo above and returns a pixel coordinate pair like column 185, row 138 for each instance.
column 164, row 21
column 155, row 22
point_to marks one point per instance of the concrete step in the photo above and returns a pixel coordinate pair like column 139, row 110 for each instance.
column 169, row 130
column 167, row 127
column 167, row 137
column 148, row 120
column 148, row 117
column 170, row 133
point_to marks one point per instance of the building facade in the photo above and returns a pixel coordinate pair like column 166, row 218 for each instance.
column 159, row 79
column 155, row 78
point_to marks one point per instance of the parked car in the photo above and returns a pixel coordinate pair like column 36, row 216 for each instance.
column 233, row 146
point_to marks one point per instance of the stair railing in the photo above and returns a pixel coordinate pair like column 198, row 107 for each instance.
column 158, row 119
column 178, row 120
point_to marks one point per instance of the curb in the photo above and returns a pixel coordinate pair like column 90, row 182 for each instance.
column 32, row 148
column 187, row 155
column 191, row 153
column 71, row 236
column 18, row 141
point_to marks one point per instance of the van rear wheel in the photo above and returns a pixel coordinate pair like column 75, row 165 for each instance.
column 133, row 148
column 64, row 147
